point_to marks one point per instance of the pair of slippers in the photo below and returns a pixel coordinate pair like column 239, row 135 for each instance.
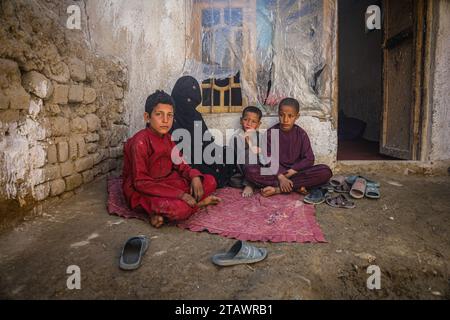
column 240, row 253
column 356, row 186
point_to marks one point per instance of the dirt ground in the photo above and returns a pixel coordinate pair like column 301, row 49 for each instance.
column 406, row 232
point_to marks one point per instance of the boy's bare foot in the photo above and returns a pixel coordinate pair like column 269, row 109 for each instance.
column 270, row 191
column 211, row 200
column 303, row 191
column 156, row 221
column 247, row 192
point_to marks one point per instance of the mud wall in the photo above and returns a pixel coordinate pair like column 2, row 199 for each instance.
column 61, row 105
column 440, row 130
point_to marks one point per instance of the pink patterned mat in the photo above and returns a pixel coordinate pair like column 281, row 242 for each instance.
column 282, row 218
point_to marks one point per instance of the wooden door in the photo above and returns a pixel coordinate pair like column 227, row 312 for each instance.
column 403, row 38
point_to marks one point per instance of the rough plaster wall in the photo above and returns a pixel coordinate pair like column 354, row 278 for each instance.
column 321, row 133
column 60, row 104
column 440, row 135
column 149, row 36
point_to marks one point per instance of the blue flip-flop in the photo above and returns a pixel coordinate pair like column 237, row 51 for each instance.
column 240, row 253
column 315, row 196
column 132, row 252
column 372, row 190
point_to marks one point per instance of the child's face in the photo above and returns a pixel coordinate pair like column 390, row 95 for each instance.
column 161, row 118
column 287, row 115
column 250, row 121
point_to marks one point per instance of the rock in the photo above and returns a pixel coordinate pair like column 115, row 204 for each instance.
column 58, row 72
column 73, row 148
column 60, row 126
column 91, row 147
column 76, row 93
column 10, row 73
column 91, row 137
column 88, row 176
column 366, row 256
column 57, row 187
column 42, row 191
column 77, row 69
column 18, row 98
column 73, row 181
column 37, row 84
column 84, row 164
column 89, row 95
column 51, row 172
column 37, row 156
column 63, row 151
column 93, row 122
column 36, row 105
column 82, row 150
column 52, row 154
column 79, row 125
column 4, row 101
column 60, row 94
column 67, row 168
column 118, row 92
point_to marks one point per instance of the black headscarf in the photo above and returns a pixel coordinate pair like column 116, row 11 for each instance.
column 187, row 96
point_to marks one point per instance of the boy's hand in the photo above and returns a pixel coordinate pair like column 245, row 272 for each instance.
column 186, row 197
column 286, row 185
column 197, row 188
column 290, row 173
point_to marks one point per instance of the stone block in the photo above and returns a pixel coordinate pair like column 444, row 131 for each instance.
column 84, row 164
column 73, row 181
column 41, row 192
column 77, row 69
column 57, row 187
column 93, row 122
column 76, row 93
column 60, row 126
column 63, row 151
column 88, row 176
column 38, row 84
column 67, row 168
column 89, row 95
column 78, row 125
column 52, row 156
column 60, row 94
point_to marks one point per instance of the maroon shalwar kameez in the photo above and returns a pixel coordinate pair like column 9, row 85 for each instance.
column 151, row 180
column 295, row 153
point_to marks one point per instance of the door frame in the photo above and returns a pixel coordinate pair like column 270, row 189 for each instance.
column 425, row 81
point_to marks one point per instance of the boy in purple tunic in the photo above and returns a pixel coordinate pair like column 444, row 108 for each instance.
column 296, row 159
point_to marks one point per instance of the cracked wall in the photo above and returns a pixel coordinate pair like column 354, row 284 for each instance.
column 61, row 105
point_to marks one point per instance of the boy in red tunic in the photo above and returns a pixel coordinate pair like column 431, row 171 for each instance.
column 152, row 180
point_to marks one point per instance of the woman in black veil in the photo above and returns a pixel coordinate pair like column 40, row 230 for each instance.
column 187, row 96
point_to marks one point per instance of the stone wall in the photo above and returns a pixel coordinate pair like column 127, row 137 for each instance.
column 62, row 118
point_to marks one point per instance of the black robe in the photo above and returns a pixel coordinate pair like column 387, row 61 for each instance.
column 187, row 96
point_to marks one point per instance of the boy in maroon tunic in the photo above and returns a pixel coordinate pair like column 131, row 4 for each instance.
column 296, row 169
column 151, row 180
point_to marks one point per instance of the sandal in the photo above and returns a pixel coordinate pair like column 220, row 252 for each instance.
column 316, row 196
column 132, row 253
column 337, row 181
column 340, row 201
column 240, row 253
column 359, row 188
column 372, row 191
column 344, row 188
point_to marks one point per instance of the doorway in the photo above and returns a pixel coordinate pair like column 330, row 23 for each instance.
column 379, row 80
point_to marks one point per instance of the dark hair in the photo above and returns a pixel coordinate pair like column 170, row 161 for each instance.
column 254, row 110
column 289, row 102
column 159, row 96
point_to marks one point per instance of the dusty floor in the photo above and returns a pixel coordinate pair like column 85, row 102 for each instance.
column 407, row 231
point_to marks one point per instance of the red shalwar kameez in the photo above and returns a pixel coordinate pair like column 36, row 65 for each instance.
column 151, row 180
